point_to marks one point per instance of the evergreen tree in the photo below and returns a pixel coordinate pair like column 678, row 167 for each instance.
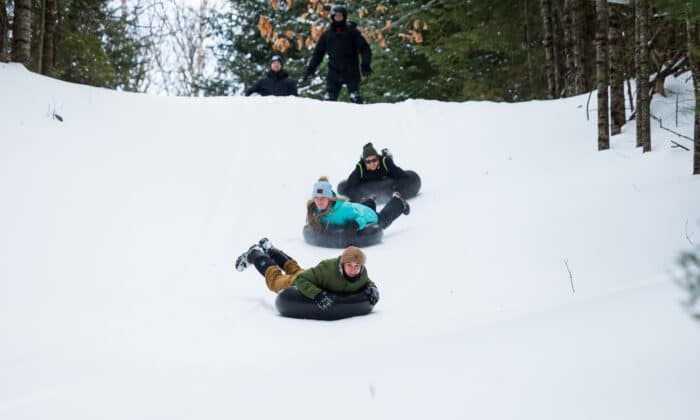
column 96, row 46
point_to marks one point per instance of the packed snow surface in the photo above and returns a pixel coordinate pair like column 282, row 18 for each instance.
column 532, row 279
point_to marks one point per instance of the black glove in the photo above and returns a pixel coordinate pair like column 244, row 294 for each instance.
column 323, row 300
column 366, row 70
column 372, row 294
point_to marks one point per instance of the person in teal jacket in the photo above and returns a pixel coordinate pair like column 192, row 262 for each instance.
column 326, row 208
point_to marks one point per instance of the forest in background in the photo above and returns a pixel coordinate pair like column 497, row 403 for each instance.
column 448, row 50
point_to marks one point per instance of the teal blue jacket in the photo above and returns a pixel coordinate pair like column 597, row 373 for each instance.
column 344, row 212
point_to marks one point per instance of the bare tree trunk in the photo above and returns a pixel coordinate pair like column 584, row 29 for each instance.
column 617, row 60
column 570, row 74
column 637, row 72
column 693, row 35
column 49, row 44
column 558, row 35
column 530, row 70
column 22, row 32
column 546, row 11
column 643, row 111
column 42, row 30
column 577, row 17
column 4, row 27
column 602, row 73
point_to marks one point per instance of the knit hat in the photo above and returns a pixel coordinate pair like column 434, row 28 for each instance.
column 322, row 188
column 369, row 150
column 338, row 10
column 276, row 58
column 352, row 254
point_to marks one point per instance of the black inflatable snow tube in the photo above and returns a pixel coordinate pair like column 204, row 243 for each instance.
column 382, row 189
column 336, row 237
column 292, row 303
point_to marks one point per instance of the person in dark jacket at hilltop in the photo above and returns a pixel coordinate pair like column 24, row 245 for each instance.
column 277, row 82
column 342, row 42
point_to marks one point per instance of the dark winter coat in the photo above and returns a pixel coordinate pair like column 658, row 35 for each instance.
column 328, row 276
column 277, row 83
column 386, row 168
column 342, row 42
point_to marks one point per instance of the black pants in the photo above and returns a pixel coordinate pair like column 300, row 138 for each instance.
column 391, row 211
column 333, row 87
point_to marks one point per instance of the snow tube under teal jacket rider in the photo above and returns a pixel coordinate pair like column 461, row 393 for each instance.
column 344, row 212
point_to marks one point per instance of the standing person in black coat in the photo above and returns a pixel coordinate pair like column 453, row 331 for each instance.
column 276, row 83
column 342, row 42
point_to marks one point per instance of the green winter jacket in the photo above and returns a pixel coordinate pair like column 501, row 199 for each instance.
column 328, row 276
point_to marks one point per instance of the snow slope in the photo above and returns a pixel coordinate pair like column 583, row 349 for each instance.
column 119, row 226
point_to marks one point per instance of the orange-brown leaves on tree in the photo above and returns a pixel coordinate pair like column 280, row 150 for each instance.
column 417, row 37
column 316, row 32
column 275, row 4
column 265, row 27
column 281, row 45
column 380, row 39
column 300, row 42
column 413, row 36
column 290, row 34
column 387, row 26
column 382, row 9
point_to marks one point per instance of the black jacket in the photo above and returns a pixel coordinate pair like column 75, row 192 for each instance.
column 276, row 83
column 342, row 42
column 387, row 168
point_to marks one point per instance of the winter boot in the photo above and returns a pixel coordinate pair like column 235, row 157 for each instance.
column 279, row 257
column 370, row 202
column 356, row 98
column 391, row 211
column 406, row 207
column 254, row 255
column 265, row 244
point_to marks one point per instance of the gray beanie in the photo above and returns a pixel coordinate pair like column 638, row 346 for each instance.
column 322, row 188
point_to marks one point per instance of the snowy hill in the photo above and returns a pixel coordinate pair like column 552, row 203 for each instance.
column 119, row 226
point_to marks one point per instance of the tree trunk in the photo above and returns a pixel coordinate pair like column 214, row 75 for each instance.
column 643, row 112
column 530, row 70
column 546, row 11
column 49, row 44
column 22, row 32
column 42, row 30
column 601, row 61
column 577, row 46
column 569, row 75
column 558, row 35
column 694, row 58
column 637, row 72
column 4, row 27
column 617, row 60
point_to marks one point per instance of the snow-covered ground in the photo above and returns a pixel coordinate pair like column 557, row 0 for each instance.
column 120, row 224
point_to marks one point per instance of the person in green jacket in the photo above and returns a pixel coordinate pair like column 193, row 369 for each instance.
column 344, row 274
